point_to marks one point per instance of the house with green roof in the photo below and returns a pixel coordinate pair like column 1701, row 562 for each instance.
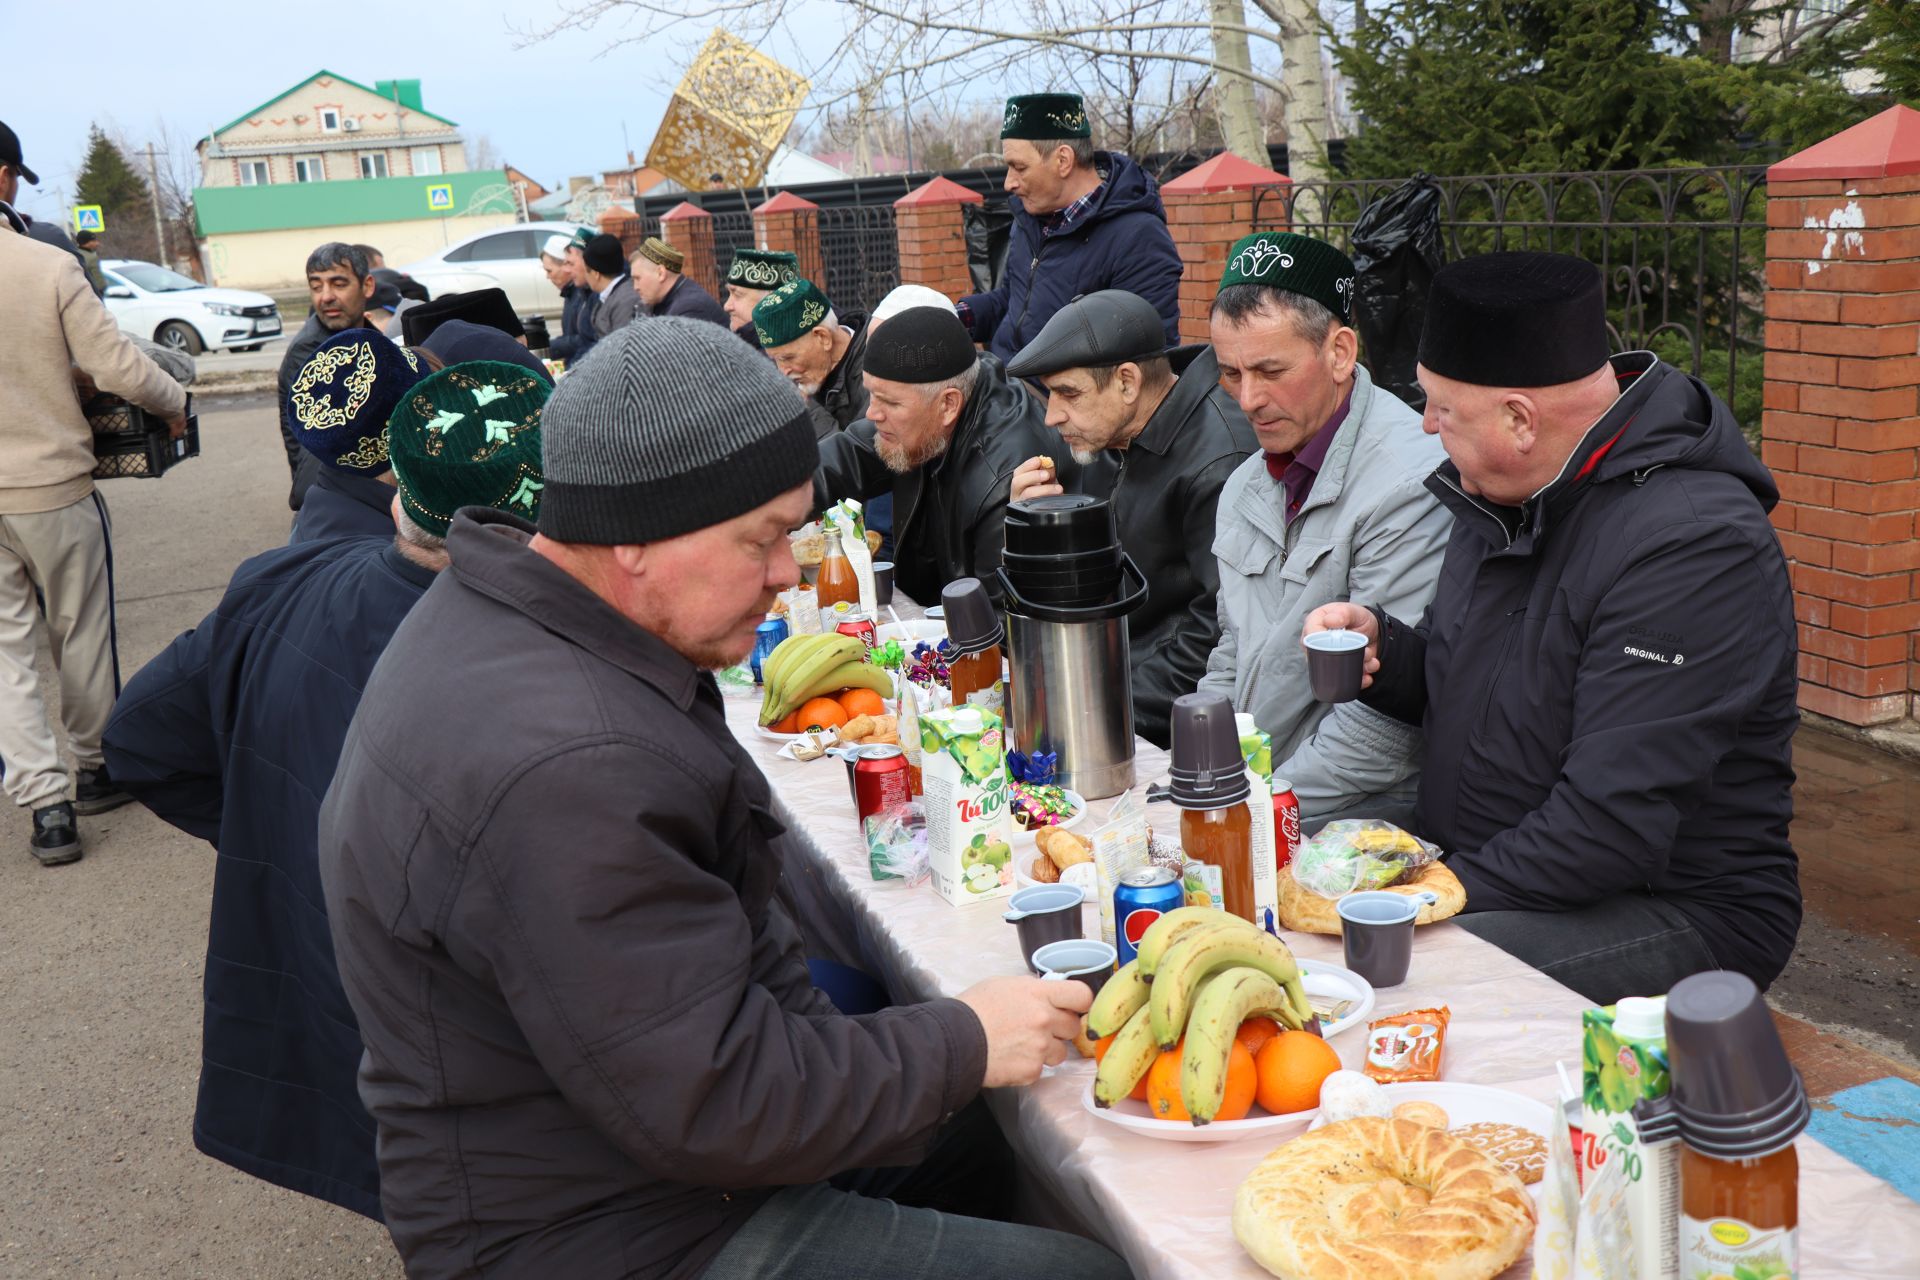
column 334, row 159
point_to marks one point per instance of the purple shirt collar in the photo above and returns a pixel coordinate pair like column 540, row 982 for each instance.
column 1296, row 472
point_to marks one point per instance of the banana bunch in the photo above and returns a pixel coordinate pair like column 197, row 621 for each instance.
column 803, row 667
column 1199, row 972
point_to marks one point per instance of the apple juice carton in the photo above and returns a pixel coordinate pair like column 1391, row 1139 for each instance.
column 963, row 766
column 1623, row 1067
column 1256, row 748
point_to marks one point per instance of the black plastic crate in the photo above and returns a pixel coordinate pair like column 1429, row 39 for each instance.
column 129, row 441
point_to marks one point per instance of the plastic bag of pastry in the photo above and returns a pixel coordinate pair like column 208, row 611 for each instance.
column 1407, row 1046
column 897, row 843
column 1359, row 853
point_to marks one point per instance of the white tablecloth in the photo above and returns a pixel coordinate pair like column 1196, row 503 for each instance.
column 1167, row 1206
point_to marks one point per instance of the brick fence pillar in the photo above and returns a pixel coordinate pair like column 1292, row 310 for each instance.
column 933, row 241
column 1842, row 411
column 689, row 228
column 1208, row 208
column 624, row 223
column 791, row 224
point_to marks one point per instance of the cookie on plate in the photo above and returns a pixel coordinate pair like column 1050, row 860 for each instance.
column 1522, row 1152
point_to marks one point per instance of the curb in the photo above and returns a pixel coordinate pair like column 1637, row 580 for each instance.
column 238, row 385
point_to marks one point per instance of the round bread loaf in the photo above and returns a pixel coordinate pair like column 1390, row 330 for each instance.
column 1304, row 911
column 1379, row 1197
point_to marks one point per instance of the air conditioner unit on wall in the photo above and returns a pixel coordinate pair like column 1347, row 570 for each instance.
column 351, row 126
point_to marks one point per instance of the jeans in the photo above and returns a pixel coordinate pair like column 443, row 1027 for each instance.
column 911, row 1224
column 1631, row 945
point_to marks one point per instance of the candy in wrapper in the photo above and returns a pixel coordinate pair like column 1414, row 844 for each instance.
column 1406, row 1047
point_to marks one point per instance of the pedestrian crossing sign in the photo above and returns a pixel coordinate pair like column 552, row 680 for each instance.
column 87, row 217
column 440, row 197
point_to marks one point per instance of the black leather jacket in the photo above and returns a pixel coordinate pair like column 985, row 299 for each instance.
column 842, row 399
column 949, row 517
column 1165, row 486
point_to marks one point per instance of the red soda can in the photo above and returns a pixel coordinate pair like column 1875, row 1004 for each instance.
column 879, row 781
column 858, row 624
column 1286, row 822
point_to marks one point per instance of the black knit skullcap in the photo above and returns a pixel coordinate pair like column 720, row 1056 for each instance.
column 921, row 344
column 604, row 255
column 1516, row 320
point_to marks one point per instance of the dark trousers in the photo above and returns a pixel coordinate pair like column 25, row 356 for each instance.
column 1631, row 945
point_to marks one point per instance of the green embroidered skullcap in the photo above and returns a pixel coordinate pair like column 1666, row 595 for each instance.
column 1043, row 117
column 762, row 269
column 1299, row 264
column 580, row 239
column 789, row 313
column 469, row 436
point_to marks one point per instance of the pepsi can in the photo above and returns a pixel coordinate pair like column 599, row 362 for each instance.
column 766, row 638
column 1139, row 899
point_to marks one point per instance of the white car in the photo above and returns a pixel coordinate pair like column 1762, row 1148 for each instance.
column 178, row 311
column 508, row 258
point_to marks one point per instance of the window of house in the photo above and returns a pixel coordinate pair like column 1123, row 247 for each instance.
column 426, row 159
column 253, row 173
column 309, row 169
column 330, row 119
column 373, row 164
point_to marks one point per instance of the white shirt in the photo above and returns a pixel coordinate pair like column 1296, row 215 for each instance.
column 609, row 289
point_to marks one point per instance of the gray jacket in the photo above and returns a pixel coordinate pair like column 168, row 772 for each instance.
column 1368, row 531
column 618, row 308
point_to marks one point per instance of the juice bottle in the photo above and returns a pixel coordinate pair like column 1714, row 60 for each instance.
column 976, row 679
column 837, row 581
column 973, row 627
column 1223, row 838
column 1741, row 1216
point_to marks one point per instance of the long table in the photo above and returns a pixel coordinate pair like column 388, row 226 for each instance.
column 1167, row 1206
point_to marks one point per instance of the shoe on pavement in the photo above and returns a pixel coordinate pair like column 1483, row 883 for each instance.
column 56, row 835
column 95, row 791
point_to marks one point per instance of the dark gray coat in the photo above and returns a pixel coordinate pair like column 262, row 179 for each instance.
column 592, row 1045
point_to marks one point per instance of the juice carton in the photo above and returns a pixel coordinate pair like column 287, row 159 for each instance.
column 1624, row 1064
column 963, row 765
column 1256, row 748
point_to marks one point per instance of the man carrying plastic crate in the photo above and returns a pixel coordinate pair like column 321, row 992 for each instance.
column 53, row 526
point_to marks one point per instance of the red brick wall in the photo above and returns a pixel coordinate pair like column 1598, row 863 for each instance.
column 792, row 225
column 932, row 237
column 689, row 228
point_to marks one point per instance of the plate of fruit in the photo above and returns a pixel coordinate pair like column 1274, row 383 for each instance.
column 1205, row 1035
column 823, row 683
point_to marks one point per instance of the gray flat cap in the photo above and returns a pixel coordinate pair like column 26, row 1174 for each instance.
column 1104, row 328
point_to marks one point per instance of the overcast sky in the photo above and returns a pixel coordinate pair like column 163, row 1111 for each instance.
column 551, row 109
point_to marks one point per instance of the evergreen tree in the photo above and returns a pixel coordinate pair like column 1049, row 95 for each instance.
column 106, row 179
column 1890, row 30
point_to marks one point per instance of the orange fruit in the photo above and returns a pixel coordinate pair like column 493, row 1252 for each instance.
column 1163, row 1085
column 790, row 725
column 1100, row 1048
column 821, row 713
column 1291, row 1067
column 862, row 702
column 1255, row 1032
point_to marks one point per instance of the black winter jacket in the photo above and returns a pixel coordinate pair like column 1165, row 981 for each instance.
column 949, row 516
column 576, row 324
column 688, row 299
column 343, row 504
column 1608, row 680
column 1165, row 488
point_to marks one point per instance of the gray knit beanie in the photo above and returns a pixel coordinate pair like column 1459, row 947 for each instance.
column 669, row 426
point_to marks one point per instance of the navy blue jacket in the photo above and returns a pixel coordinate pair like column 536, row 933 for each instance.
column 577, row 305
column 1607, row 676
column 688, row 299
column 344, row 504
column 1120, row 241
column 232, row 734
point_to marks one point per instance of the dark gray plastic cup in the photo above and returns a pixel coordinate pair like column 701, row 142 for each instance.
column 973, row 624
column 1735, row 1091
column 1087, row 960
column 1205, row 765
column 1376, row 930
column 1336, row 662
column 883, row 583
column 1045, row 913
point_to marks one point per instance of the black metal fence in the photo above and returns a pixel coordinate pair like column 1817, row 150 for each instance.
column 862, row 254
column 1682, row 251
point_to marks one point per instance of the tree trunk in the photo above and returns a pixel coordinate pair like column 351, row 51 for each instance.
column 1306, row 91
column 1233, row 94
column 1716, row 20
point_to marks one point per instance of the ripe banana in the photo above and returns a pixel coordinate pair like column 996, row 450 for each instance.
column 796, row 676
column 1131, row 1054
column 1124, row 995
column 1174, row 924
column 1206, row 950
column 857, row 674
column 1226, row 999
column 1297, row 997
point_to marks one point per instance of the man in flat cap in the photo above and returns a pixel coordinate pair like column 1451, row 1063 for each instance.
column 753, row 274
column 338, row 405
column 1157, row 432
column 1334, row 507
column 576, row 314
column 617, row 304
column 944, row 432
column 1607, row 672
column 657, row 278
column 552, row 877
column 232, row 734
column 799, row 328
column 1083, row 221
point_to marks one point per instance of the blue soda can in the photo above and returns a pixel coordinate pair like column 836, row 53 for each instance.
column 1139, row 899
column 766, row 638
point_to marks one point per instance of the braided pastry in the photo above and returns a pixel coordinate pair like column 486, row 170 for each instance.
column 1382, row 1198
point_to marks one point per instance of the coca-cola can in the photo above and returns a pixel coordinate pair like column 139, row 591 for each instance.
column 858, row 624
column 879, row 781
column 1286, row 822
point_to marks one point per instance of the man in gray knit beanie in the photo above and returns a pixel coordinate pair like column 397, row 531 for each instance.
column 550, row 873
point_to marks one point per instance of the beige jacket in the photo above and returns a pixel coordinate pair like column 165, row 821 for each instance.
column 49, row 322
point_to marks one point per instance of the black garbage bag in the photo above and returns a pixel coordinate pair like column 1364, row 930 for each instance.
column 1396, row 250
column 989, row 226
